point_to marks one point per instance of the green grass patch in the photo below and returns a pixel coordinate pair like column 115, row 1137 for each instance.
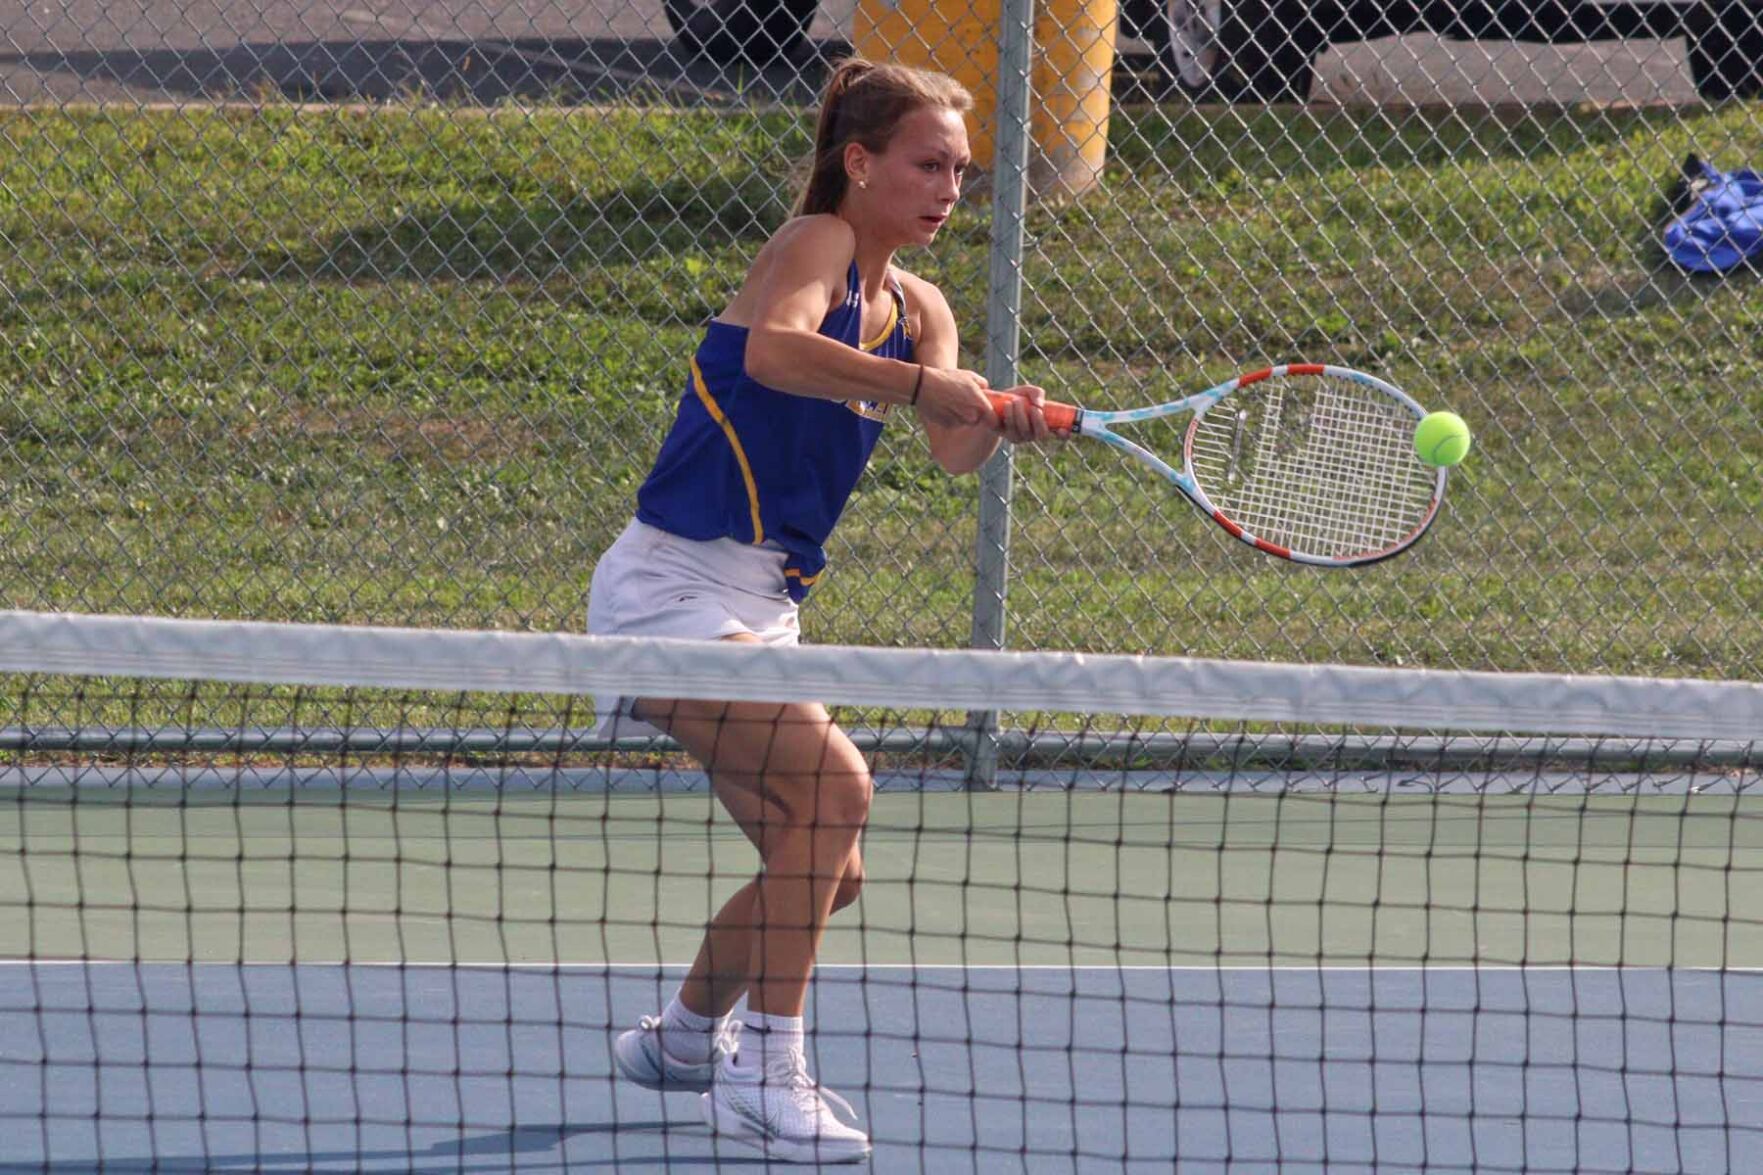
column 410, row 365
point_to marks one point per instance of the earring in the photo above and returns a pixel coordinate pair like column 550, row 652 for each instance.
column 863, row 184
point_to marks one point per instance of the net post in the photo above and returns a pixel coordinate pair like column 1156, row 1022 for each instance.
column 1003, row 330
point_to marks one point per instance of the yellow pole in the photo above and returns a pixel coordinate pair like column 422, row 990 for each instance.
column 1071, row 76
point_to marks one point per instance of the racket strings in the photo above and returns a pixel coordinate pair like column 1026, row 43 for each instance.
column 1316, row 465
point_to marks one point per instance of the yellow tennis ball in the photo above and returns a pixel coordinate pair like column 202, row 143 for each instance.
column 1442, row 438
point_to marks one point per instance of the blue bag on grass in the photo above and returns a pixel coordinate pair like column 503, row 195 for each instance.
column 1723, row 225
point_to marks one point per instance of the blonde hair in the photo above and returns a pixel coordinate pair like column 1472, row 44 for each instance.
column 864, row 102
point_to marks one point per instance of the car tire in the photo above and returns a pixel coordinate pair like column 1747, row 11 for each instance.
column 1726, row 48
column 759, row 32
column 1238, row 50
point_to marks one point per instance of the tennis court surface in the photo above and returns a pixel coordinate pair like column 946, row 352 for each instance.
column 304, row 898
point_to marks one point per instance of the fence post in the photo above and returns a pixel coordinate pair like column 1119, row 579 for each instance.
column 1003, row 335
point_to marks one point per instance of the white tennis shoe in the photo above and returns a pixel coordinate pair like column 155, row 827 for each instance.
column 642, row 1058
column 778, row 1108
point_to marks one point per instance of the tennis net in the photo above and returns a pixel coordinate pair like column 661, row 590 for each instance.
column 320, row 898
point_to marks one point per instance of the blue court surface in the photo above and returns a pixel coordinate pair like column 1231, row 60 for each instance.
column 206, row 1067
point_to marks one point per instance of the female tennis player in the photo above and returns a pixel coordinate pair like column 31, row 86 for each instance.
column 826, row 341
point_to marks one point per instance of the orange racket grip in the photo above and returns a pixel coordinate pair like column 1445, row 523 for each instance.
column 1060, row 417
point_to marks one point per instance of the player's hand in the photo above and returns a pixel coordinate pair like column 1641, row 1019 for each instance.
column 951, row 397
column 1023, row 421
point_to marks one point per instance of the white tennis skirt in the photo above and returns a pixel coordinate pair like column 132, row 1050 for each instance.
column 652, row 583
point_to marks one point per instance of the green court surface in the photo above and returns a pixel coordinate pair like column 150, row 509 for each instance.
column 1009, row 878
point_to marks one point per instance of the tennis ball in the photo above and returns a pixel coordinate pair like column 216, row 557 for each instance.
column 1442, row 438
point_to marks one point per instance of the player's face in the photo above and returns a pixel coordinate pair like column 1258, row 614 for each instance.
column 918, row 178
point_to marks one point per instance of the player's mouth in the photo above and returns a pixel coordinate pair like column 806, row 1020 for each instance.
column 933, row 223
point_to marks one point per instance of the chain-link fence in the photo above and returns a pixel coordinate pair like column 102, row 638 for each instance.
column 379, row 313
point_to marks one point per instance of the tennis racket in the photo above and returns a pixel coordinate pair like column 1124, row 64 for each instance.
column 1306, row 462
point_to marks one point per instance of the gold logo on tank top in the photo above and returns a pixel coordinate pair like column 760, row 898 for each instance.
column 869, row 409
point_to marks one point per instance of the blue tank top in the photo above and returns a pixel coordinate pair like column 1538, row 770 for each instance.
column 748, row 462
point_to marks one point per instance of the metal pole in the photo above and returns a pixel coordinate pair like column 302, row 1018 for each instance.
column 1003, row 332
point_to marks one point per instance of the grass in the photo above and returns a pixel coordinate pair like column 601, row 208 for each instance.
column 410, row 365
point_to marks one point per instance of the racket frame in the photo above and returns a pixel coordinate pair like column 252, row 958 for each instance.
column 1098, row 424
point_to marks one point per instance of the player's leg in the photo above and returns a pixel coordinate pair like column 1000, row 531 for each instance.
column 800, row 789
column 738, row 744
column 724, row 965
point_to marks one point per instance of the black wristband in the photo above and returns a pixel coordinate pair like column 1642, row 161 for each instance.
column 916, row 384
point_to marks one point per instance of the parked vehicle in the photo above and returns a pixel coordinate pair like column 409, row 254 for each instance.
column 1265, row 50
column 756, row 31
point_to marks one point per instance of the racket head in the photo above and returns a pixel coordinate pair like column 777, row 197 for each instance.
column 1315, row 464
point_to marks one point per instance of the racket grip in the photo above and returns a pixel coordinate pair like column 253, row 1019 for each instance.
column 1060, row 417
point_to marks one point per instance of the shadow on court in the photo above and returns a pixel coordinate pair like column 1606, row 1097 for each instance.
column 490, row 1151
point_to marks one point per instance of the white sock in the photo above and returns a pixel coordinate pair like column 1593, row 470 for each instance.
column 764, row 1037
column 688, row 1036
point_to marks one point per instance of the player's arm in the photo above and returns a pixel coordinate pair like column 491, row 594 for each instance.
column 960, row 447
column 801, row 278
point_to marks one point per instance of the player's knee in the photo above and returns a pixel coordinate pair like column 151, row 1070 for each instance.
column 843, row 802
column 850, row 885
column 833, row 799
